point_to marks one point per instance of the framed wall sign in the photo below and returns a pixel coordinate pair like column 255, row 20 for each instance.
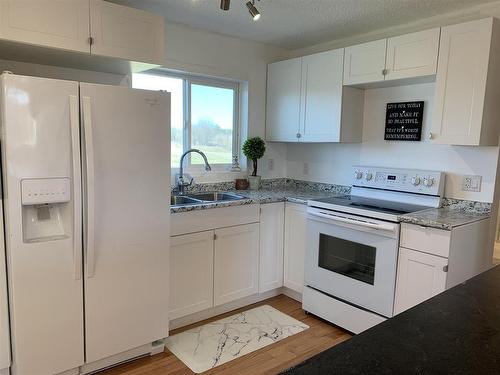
column 403, row 121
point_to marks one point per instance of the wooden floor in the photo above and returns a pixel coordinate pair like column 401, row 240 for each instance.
column 269, row 360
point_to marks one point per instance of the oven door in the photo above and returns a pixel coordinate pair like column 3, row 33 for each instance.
column 352, row 258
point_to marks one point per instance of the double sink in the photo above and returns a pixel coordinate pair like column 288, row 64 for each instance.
column 202, row 198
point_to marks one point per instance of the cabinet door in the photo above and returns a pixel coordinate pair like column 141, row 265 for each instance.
column 191, row 273
column 365, row 63
column 127, row 33
column 461, row 83
column 283, row 100
column 51, row 23
column 295, row 245
column 272, row 218
column 412, row 55
column 420, row 277
column 322, row 93
column 236, row 273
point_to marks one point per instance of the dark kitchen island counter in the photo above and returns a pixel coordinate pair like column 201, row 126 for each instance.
column 456, row 332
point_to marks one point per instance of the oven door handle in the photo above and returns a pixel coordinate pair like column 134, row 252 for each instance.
column 362, row 223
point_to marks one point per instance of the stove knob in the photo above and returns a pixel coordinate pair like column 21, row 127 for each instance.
column 428, row 181
column 368, row 176
column 415, row 180
column 358, row 175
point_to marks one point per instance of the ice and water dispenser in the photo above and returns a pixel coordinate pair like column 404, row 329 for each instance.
column 46, row 208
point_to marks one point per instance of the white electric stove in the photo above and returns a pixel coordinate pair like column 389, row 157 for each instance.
column 353, row 242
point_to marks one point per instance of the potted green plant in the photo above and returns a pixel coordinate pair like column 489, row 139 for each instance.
column 254, row 149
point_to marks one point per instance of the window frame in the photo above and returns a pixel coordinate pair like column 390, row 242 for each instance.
column 187, row 81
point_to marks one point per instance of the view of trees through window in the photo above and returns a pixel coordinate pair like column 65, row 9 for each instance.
column 212, row 123
column 210, row 114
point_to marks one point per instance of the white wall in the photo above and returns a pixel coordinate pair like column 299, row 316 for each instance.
column 331, row 163
column 202, row 52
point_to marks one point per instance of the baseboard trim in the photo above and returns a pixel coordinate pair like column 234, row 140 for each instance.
column 222, row 309
column 292, row 294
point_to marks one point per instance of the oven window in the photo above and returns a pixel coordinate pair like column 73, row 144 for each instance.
column 347, row 258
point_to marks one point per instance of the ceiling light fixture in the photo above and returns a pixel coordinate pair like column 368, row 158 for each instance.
column 224, row 4
column 254, row 12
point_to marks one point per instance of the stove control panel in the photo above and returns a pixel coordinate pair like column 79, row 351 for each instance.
column 395, row 179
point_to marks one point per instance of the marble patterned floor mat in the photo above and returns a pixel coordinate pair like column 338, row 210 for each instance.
column 210, row 345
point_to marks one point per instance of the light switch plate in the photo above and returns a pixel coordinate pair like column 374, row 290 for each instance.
column 471, row 183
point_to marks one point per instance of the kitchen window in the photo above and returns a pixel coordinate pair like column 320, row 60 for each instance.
column 205, row 115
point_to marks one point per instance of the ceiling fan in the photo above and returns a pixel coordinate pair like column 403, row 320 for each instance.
column 254, row 12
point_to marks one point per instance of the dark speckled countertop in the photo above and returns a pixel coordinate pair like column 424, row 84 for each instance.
column 456, row 332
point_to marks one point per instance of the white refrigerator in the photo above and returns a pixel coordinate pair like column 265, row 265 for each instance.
column 4, row 313
column 86, row 178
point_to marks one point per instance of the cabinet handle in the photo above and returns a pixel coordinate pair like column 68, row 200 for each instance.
column 430, row 135
column 445, row 268
column 91, row 40
column 385, row 71
column 299, row 135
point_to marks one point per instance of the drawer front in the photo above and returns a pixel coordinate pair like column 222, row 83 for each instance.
column 213, row 218
column 428, row 240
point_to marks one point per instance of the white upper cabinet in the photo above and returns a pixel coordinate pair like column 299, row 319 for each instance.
column 467, row 95
column 365, row 63
column 127, row 33
column 283, row 100
column 93, row 27
column 407, row 56
column 60, row 24
column 306, row 101
column 412, row 55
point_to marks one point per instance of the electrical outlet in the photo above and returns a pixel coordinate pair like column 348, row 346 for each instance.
column 305, row 168
column 270, row 164
column 471, row 183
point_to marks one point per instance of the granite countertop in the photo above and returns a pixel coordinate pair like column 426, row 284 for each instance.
column 445, row 218
column 456, row 332
column 259, row 197
column 454, row 213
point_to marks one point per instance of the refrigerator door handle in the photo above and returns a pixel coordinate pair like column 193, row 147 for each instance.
column 90, row 197
column 77, row 185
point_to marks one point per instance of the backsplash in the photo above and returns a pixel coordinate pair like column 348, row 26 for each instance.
column 272, row 184
column 473, row 206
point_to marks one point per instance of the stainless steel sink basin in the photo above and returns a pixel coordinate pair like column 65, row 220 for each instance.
column 178, row 200
column 216, row 197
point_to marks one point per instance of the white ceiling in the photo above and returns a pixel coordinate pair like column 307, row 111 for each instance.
column 298, row 23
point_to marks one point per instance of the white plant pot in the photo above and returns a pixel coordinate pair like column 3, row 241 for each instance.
column 254, row 182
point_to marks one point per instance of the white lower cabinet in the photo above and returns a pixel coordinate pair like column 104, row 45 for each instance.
column 295, row 245
column 434, row 260
column 272, row 217
column 420, row 277
column 191, row 273
column 236, row 263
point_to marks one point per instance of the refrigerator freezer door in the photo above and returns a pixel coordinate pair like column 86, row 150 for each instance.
column 40, row 140
column 4, row 313
column 126, row 164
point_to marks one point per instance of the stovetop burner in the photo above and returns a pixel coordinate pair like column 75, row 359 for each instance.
column 373, row 204
column 369, row 207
